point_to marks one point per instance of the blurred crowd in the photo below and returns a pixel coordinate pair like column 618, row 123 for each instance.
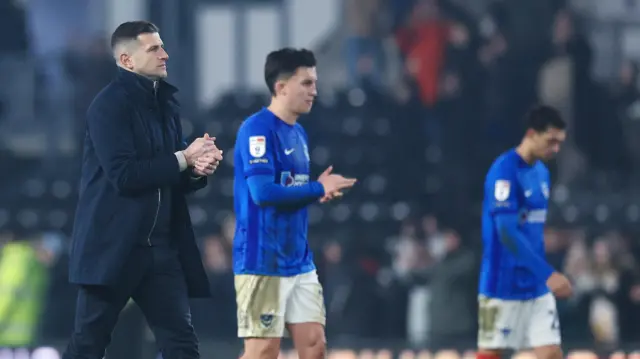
column 473, row 77
column 467, row 79
column 422, row 286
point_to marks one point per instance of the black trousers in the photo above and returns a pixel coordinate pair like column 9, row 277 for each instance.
column 153, row 278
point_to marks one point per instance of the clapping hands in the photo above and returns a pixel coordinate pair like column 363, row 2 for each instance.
column 203, row 155
column 334, row 184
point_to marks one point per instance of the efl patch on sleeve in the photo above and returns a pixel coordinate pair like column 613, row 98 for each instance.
column 257, row 146
column 502, row 190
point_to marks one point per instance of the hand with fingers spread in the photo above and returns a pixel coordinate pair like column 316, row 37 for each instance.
column 208, row 162
column 334, row 184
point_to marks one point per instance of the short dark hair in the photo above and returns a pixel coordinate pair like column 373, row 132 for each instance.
column 130, row 30
column 542, row 118
column 283, row 63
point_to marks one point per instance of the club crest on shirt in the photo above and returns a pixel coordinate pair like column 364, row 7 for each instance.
column 545, row 189
column 502, row 190
column 266, row 320
column 257, row 146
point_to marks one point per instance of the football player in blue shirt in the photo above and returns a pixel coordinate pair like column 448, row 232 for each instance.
column 517, row 308
column 275, row 278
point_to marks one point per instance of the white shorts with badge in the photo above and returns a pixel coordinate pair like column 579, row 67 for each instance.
column 266, row 304
column 517, row 324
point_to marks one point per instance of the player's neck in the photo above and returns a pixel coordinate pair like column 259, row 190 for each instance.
column 526, row 155
column 282, row 113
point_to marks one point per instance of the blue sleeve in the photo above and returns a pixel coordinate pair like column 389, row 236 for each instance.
column 265, row 192
column 516, row 242
column 503, row 190
column 256, row 144
column 113, row 140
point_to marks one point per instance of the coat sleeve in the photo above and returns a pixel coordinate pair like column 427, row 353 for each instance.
column 111, row 133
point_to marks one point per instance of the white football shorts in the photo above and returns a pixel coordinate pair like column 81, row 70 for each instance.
column 517, row 324
column 266, row 304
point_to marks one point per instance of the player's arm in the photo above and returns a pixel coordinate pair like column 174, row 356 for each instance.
column 109, row 127
column 189, row 181
column 265, row 192
column 505, row 208
column 516, row 242
column 258, row 166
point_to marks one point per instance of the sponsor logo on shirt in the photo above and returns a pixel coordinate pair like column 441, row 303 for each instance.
column 534, row 216
column 288, row 179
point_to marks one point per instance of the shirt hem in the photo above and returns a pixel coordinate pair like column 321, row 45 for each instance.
column 304, row 270
column 515, row 297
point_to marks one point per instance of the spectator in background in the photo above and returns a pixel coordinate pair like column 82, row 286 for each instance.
column 497, row 67
column 459, row 84
column 435, row 239
column 364, row 50
column 576, row 311
column 452, row 308
column 565, row 81
column 422, row 41
column 626, row 102
column 627, row 299
column 557, row 88
column 410, row 258
column 625, row 90
column 336, row 283
column 604, row 282
column 357, row 303
column 24, row 278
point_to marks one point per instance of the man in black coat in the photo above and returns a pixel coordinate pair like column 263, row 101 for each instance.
column 132, row 235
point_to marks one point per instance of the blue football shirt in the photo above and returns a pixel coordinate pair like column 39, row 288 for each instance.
column 270, row 240
column 513, row 186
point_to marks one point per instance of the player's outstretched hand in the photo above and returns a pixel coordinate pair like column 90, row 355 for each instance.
column 206, row 164
column 559, row 285
column 199, row 148
column 334, row 184
column 329, row 196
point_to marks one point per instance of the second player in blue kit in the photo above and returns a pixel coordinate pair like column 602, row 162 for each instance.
column 276, row 283
column 517, row 307
column 273, row 190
